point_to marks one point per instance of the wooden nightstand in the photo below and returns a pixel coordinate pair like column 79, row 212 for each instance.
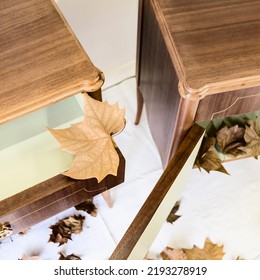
column 42, row 67
column 196, row 61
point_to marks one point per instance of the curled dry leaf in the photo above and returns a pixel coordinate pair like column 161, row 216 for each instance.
column 69, row 257
column 252, row 138
column 172, row 217
column 91, row 140
column 88, row 206
column 63, row 229
column 230, row 140
column 208, row 158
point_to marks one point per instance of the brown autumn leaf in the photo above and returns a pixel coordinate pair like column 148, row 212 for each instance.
column 173, row 254
column 63, row 229
column 172, row 217
column 252, row 138
column 88, row 206
column 69, row 257
column 210, row 251
column 208, row 158
column 91, row 140
column 230, row 140
column 32, row 258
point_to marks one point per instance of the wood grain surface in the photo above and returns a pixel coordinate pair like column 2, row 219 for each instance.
column 52, row 196
column 214, row 45
column 41, row 60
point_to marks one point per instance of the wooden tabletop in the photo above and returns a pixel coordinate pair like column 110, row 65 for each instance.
column 214, row 45
column 41, row 60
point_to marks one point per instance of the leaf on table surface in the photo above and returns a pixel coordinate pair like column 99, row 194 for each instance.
column 172, row 217
column 208, row 158
column 229, row 140
column 88, row 206
column 91, row 140
column 210, row 251
column 173, row 254
column 69, row 257
column 252, row 138
column 63, row 229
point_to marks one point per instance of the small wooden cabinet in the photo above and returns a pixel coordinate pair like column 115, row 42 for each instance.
column 196, row 61
column 42, row 68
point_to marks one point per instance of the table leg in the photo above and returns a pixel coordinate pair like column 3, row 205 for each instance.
column 140, row 103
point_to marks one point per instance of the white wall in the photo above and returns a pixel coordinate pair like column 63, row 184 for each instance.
column 107, row 29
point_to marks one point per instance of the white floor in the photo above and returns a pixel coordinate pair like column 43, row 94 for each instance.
column 223, row 208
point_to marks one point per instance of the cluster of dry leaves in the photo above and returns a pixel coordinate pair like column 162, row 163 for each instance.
column 64, row 229
column 91, row 140
column 228, row 141
column 210, row 251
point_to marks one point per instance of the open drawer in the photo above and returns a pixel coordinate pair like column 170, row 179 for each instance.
column 32, row 187
column 146, row 229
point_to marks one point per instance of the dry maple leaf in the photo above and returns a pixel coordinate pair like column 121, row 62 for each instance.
column 230, row 140
column 252, row 138
column 208, row 158
column 210, row 251
column 88, row 206
column 91, row 140
column 63, row 229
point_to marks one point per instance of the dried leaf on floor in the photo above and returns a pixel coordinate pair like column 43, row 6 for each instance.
column 69, row 257
column 88, row 206
column 63, row 229
column 252, row 138
column 172, row 217
column 91, row 140
column 210, row 251
column 173, row 254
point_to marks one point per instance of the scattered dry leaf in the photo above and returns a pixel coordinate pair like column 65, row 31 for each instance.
column 173, row 254
column 230, row 140
column 172, row 217
column 69, row 257
column 208, row 158
column 62, row 230
column 252, row 138
column 210, row 251
column 88, row 206
column 91, row 140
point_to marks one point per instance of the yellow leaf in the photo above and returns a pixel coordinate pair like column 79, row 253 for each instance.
column 91, row 140
column 210, row 251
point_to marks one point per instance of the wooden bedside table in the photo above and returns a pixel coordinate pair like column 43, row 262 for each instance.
column 197, row 60
column 41, row 64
